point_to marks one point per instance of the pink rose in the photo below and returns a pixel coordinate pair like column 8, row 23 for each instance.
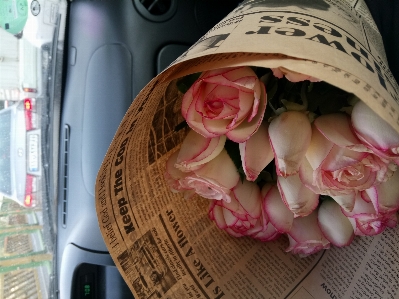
column 213, row 180
column 340, row 164
column 366, row 221
column 228, row 101
column 292, row 76
column 306, row 237
column 376, row 133
column 242, row 215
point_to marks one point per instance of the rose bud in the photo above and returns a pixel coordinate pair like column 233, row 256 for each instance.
column 375, row 132
column 366, row 221
column 213, row 180
column 305, row 236
column 277, row 212
column 256, row 153
column 299, row 199
column 290, row 134
column 197, row 150
column 242, row 215
column 292, row 76
column 341, row 164
column 334, row 225
column 228, row 101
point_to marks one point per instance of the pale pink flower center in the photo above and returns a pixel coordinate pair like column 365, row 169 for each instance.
column 350, row 173
column 363, row 170
column 216, row 107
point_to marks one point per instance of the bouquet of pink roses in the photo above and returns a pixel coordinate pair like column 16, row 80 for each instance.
column 278, row 152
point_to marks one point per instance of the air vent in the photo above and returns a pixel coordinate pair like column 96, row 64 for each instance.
column 157, row 7
column 65, row 175
column 156, row 10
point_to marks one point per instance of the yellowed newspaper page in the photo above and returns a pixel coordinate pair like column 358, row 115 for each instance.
column 367, row 269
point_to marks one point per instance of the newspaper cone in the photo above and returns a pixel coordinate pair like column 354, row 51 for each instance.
column 165, row 246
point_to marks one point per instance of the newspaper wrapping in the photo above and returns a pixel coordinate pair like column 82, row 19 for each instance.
column 165, row 246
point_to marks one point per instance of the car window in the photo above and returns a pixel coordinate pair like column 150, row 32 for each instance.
column 31, row 59
column 5, row 163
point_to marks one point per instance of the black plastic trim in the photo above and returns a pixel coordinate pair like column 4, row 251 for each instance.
column 145, row 11
column 65, row 173
column 90, row 250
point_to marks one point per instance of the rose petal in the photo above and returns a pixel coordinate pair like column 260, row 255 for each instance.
column 334, row 225
column 319, row 148
column 221, row 169
column 171, row 169
column 242, row 78
column 299, row 199
column 306, row 176
column 173, row 177
column 278, row 213
column 269, row 233
column 337, row 129
column 346, row 201
column 290, row 135
column 205, row 187
column 370, row 126
column 248, row 195
column 306, row 229
column 292, row 75
column 256, row 153
column 197, row 150
column 277, row 73
column 360, row 208
column 218, row 217
column 189, row 112
column 339, row 158
column 385, row 196
column 246, row 129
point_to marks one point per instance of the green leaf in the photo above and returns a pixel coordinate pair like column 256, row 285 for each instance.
column 185, row 83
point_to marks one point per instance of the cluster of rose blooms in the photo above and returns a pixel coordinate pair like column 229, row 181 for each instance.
column 336, row 175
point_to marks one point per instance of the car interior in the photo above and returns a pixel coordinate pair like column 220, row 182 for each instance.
column 112, row 50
